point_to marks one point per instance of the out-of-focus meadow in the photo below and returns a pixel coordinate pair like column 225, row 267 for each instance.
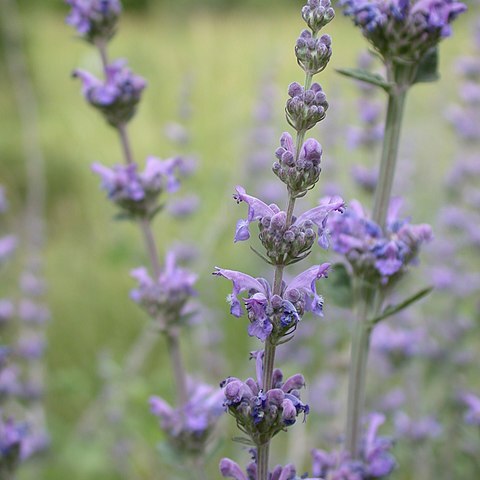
column 224, row 56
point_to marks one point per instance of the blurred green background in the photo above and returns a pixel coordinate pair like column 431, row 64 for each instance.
column 226, row 48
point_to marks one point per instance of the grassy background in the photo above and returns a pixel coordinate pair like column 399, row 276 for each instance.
column 88, row 255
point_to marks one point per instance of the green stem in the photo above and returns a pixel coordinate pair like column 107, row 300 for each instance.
column 370, row 300
column 263, row 452
column 383, row 192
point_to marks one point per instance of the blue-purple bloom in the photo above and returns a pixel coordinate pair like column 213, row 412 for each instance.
column 472, row 415
column 380, row 256
column 375, row 460
column 189, row 427
column 417, row 429
column 403, row 30
column 165, row 297
column 94, row 20
column 230, row 469
column 117, row 96
column 282, row 242
column 275, row 313
column 261, row 413
column 137, row 193
column 8, row 244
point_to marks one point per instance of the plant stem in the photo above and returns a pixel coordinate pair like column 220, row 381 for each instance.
column 171, row 335
column 358, row 371
column 383, row 192
column 369, row 300
column 178, row 368
column 263, row 453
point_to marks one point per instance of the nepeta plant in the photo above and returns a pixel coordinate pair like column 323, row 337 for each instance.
column 268, row 405
column 405, row 35
column 163, row 291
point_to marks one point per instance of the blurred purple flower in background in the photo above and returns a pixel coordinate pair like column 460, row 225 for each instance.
column 116, row 97
column 94, row 20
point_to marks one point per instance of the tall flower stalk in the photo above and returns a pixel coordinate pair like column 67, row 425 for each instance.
column 163, row 291
column 265, row 406
column 405, row 35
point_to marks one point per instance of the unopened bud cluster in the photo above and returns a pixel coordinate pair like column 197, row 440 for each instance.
column 285, row 245
column 261, row 414
column 305, row 107
column 300, row 172
column 313, row 54
column 317, row 14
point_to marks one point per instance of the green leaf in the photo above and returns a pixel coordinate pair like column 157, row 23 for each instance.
column 366, row 76
column 243, row 441
column 393, row 309
column 265, row 259
column 428, row 68
column 338, row 289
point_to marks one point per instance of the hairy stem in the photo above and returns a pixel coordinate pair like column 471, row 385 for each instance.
column 263, row 453
column 177, row 364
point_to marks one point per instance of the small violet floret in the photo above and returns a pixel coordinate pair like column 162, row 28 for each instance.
column 117, row 97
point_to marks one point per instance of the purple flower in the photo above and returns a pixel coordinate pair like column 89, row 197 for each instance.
column 313, row 54
column 418, row 429
column 164, row 297
column 7, row 311
column 375, row 460
column 94, row 20
column 33, row 313
column 11, row 437
column 282, row 243
column 378, row 255
column 472, row 401
column 8, row 244
column 137, row 193
column 263, row 413
column 116, row 97
column 403, row 29
column 263, row 308
column 230, row 469
column 189, row 427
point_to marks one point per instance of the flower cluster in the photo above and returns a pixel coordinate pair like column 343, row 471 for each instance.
column 165, row 297
column 376, row 255
column 472, row 415
column 403, row 30
column 417, row 429
column 299, row 172
column 137, row 193
column 117, row 97
column 275, row 315
column 11, row 438
column 231, row 469
column 317, row 14
column 306, row 106
column 189, row 427
column 94, row 20
column 261, row 413
column 313, row 54
column 284, row 243
column 375, row 460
